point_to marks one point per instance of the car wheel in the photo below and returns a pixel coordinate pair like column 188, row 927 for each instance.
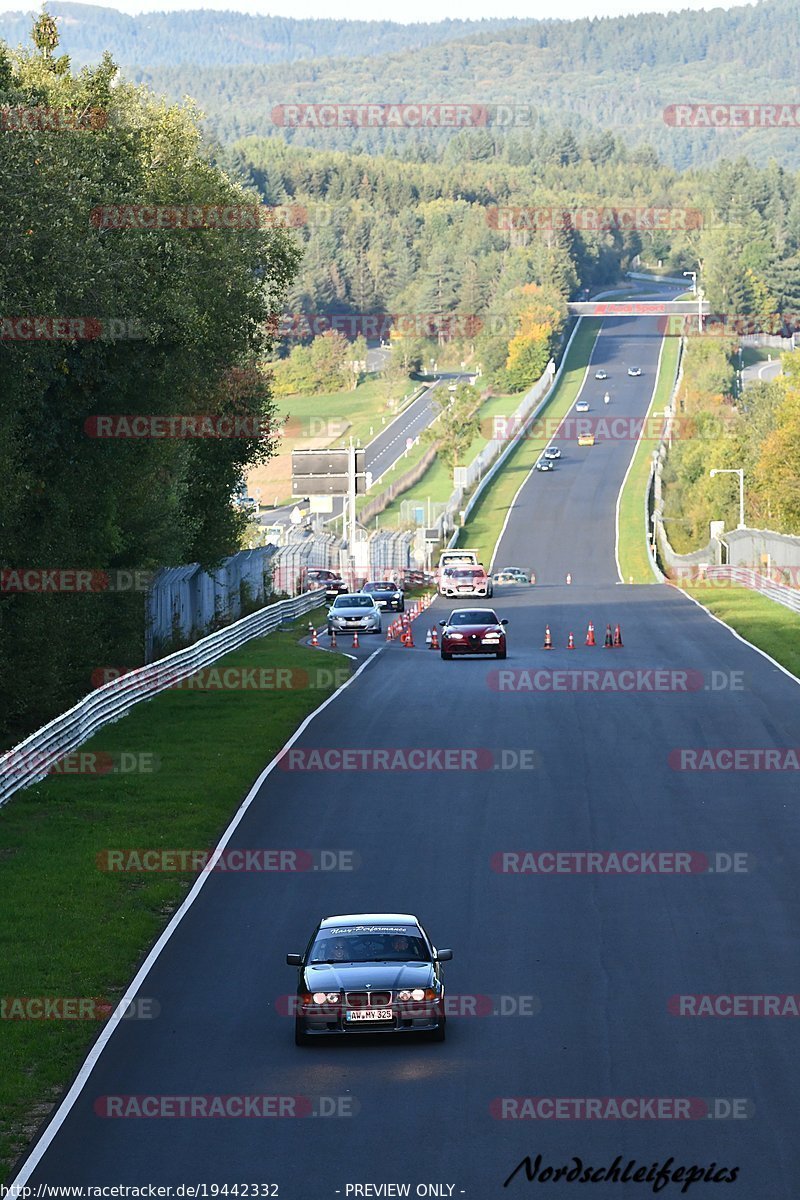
column 438, row 1034
column 446, row 654
column 402, row 607
column 500, row 654
column 301, row 1038
column 330, row 630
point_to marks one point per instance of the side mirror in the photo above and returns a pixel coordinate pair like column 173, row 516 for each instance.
column 504, row 621
column 294, row 960
column 443, row 622
column 444, row 955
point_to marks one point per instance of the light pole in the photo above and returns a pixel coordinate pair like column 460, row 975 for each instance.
column 734, row 471
column 693, row 276
column 697, row 291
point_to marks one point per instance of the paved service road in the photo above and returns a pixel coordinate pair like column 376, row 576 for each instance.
column 591, row 958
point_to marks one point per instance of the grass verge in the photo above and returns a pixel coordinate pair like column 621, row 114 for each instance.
column 634, row 559
column 436, row 484
column 486, row 519
column 763, row 622
column 71, row 929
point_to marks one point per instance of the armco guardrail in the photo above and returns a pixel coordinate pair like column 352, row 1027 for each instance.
column 779, row 592
column 32, row 759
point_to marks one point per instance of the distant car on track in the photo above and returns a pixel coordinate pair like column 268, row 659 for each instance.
column 582, row 406
column 465, row 581
column 552, row 452
column 369, row 973
column 354, row 612
column 508, row 575
column 601, row 375
column 387, row 595
column 586, row 439
column 634, row 372
column 473, row 631
column 544, row 464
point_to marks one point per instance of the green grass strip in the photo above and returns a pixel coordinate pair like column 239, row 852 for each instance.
column 767, row 624
column 631, row 530
column 486, row 519
column 71, row 929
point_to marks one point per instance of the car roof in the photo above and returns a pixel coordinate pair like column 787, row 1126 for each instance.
column 386, row 583
column 369, row 919
column 473, row 610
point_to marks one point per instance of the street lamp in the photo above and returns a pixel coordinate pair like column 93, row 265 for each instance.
column 693, row 276
column 734, row 471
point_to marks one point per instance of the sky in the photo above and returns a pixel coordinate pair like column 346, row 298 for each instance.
column 405, row 11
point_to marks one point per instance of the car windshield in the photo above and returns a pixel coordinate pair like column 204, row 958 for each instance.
column 353, row 602
column 474, row 616
column 474, row 573
column 365, row 946
column 378, row 587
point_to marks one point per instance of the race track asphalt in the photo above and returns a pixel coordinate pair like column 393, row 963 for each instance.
column 561, row 982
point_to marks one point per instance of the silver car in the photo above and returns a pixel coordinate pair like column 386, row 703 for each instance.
column 351, row 613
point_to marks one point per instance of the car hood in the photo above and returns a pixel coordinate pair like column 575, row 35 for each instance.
column 343, row 610
column 344, row 977
column 384, row 593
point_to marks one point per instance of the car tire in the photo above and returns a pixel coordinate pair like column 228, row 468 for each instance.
column 330, row 630
column 500, row 654
column 446, row 655
column 402, row 607
column 301, row 1038
column 439, row 1033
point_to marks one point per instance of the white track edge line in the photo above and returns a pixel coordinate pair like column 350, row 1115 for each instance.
column 736, row 634
column 82, row 1077
column 633, row 456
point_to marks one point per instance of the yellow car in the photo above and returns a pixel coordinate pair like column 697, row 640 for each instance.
column 586, row 439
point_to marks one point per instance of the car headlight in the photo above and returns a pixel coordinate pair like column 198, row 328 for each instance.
column 326, row 997
column 491, row 636
column 417, row 994
column 457, row 637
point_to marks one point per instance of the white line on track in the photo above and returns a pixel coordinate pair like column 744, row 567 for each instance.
column 738, row 636
column 633, row 456
column 552, row 439
column 41, row 1147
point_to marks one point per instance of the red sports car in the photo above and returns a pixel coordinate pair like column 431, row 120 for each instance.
column 473, row 631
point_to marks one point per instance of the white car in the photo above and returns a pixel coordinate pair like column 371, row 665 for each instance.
column 601, row 375
column 552, row 452
column 634, row 372
column 582, row 406
column 544, row 464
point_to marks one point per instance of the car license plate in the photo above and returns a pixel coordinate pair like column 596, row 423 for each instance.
column 370, row 1014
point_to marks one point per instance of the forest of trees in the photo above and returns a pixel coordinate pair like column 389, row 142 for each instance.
column 195, row 308
column 594, row 74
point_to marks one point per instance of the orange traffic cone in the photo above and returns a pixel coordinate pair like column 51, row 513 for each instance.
column 533, row 577
column 590, row 635
column 355, row 639
column 314, row 638
column 333, row 639
column 409, row 636
column 390, row 633
column 569, row 577
column 617, row 636
column 548, row 639
column 608, row 640
column 570, row 642
column 434, row 639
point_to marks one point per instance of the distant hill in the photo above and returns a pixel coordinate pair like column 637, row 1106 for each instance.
column 616, row 74
column 208, row 38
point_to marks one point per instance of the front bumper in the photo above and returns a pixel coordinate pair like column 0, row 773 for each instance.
column 416, row 1018
column 341, row 625
column 481, row 647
